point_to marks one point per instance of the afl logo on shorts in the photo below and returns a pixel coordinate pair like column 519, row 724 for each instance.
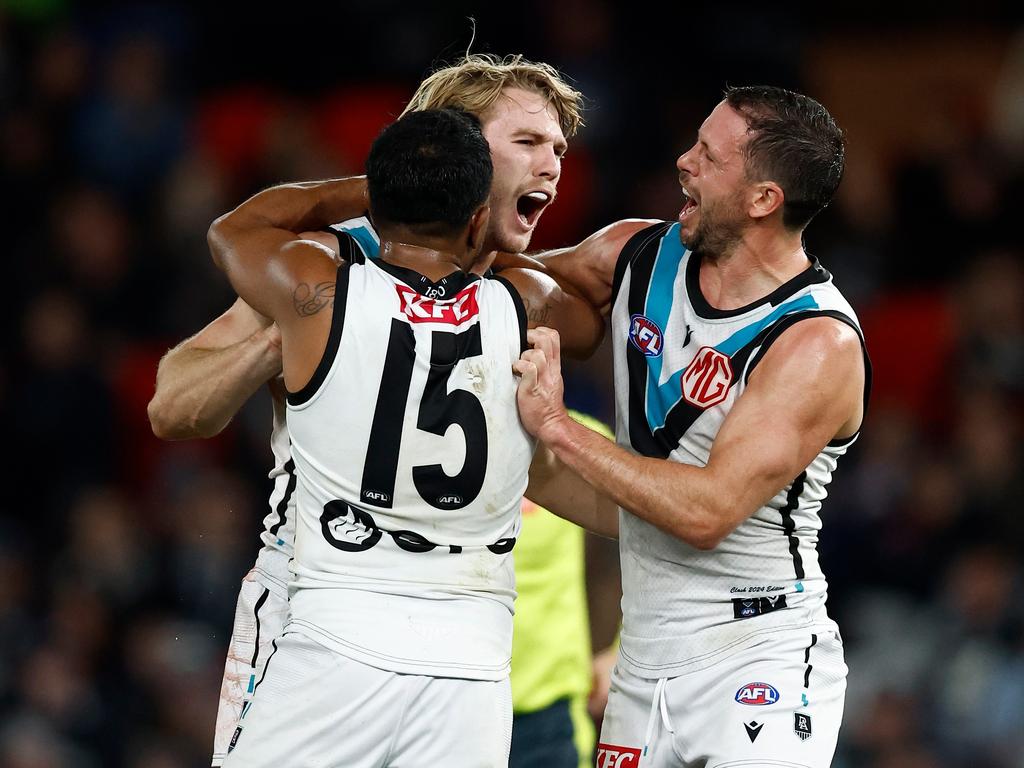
column 707, row 378
column 757, row 694
column 645, row 335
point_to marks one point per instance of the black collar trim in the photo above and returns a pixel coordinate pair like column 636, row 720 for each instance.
column 815, row 273
column 445, row 288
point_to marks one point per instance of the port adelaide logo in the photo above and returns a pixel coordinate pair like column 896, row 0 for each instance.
column 757, row 694
column 646, row 336
column 802, row 725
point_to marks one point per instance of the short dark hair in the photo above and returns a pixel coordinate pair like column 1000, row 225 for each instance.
column 430, row 171
column 794, row 142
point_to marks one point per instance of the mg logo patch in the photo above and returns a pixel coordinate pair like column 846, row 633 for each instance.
column 613, row 756
column 707, row 378
column 645, row 335
column 757, row 694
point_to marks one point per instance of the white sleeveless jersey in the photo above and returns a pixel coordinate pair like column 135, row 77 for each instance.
column 411, row 464
column 279, row 524
column 680, row 365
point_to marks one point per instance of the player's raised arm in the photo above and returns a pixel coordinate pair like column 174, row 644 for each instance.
column 250, row 242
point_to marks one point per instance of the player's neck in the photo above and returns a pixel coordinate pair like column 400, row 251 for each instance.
column 754, row 267
column 432, row 263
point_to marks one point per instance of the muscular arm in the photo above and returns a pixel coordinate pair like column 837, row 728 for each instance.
column 281, row 274
column 247, row 242
column 203, row 381
column 547, row 304
column 767, row 440
column 562, row 491
column 589, row 267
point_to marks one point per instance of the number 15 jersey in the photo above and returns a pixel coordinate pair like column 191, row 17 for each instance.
column 411, row 463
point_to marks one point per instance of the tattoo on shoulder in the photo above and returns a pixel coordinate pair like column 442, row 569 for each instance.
column 308, row 300
column 537, row 313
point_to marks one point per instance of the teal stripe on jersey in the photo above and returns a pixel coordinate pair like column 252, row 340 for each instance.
column 662, row 398
column 658, row 307
column 744, row 336
column 366, row 239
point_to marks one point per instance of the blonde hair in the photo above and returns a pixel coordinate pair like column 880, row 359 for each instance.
column 476, row 82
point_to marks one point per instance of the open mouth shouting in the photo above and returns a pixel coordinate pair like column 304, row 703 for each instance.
column 690, row 205
column 531, row 205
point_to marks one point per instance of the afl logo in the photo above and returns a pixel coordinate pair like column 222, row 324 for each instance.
column 645, row 335
column 707, row 378
column 757, row 694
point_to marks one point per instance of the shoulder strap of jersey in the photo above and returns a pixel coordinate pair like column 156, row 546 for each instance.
column 788, row 321
column 632, row 253
column 517, row 302
column 362, row 239
column 333, row 340
column 348, row 248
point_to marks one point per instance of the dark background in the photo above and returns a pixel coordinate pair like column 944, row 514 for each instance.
column 126, row 128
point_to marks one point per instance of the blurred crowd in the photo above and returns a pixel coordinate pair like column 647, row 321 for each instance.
column 126, row 128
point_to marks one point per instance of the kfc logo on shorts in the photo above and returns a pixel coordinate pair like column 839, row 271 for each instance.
column 612, row 756
column 707, row 378
column 757, row 694
column 460, row 309
column 645, row 335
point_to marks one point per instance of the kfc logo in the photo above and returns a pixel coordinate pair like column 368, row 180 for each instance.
column 612, row 756
column 460, row 309
column 707, row 379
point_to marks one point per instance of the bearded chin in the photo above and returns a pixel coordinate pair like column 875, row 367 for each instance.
column 713, row 240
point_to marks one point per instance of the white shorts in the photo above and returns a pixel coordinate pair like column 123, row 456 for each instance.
column 317, row 708
column 779, row 703
column 260, row 617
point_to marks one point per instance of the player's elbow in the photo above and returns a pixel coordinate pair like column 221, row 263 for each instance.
column 704, row 537
column 163, row 427
column 170, row 422
column 218, row 238
column 594, row 337
column 710, row 528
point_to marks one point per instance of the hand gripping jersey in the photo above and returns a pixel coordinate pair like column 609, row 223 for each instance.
column 411, row 463
column 680, row 365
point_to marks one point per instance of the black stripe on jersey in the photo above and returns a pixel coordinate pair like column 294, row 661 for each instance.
column 815, row 273
column 807, row 661
column 640, row 253
column 266, row 667
column 386, row 431
column 289, row 489
column 333, row 341
column 789, row 525
column 683, row 414
column 517, row 302
column 256, row 614
column 348, row 248
column 788, row 321
column 630, row 250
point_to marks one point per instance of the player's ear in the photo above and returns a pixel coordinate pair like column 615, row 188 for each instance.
column 478, row 227
column 767, row 198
